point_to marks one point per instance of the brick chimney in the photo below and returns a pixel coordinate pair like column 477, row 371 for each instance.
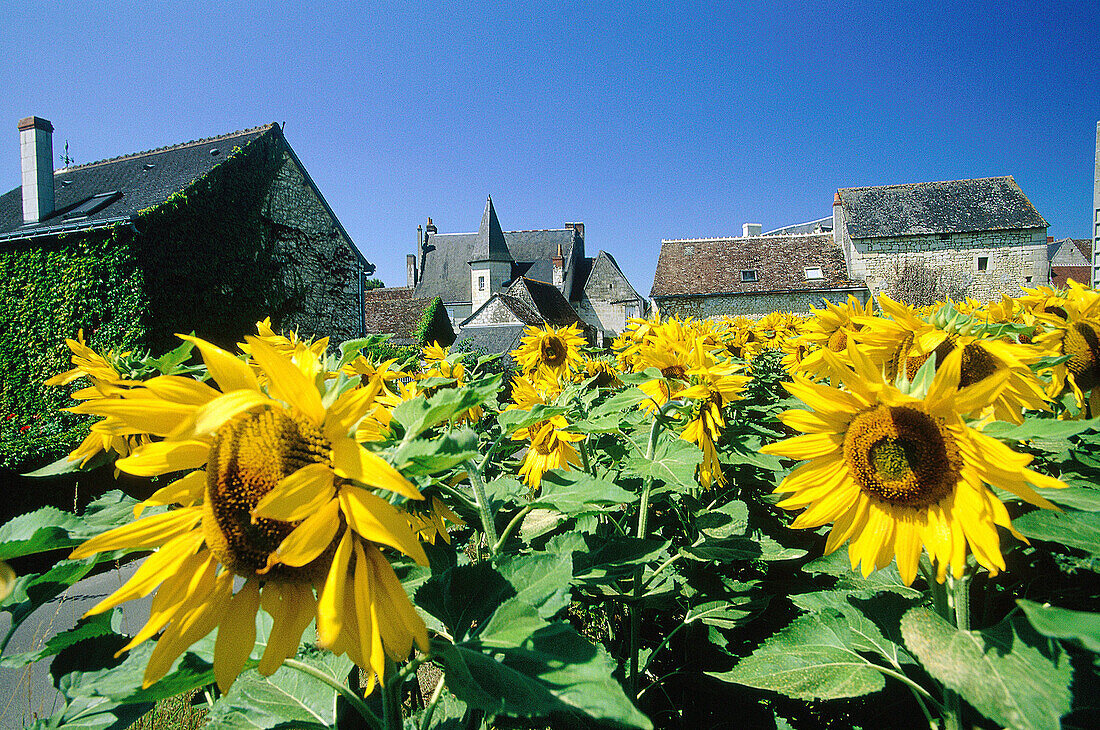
column 36, row 154
column 430, row 228
column 410, row 268
column 751, row 229
column 559, row 268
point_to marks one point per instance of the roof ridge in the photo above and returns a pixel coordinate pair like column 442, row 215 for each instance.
column 737, row 238
column 167, row 148
column 932, row 182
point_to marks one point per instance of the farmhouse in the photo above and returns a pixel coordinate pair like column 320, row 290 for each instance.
column 208, row 236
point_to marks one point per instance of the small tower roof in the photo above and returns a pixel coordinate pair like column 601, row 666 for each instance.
column 490, row 238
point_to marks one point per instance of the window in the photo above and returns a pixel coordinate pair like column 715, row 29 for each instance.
column 748, row 275
column 630, row 310
column 93, row 204
column 481, row 283
column 983, row 263
column 1027, row 279
column 814, row 272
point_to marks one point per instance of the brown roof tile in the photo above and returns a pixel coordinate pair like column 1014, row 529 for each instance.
column 393, row 311
column 696, row 267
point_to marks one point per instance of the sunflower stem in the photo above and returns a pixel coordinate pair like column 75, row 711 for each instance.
column 488, row 525
column 342, row 689
column 584, row 457
column 643, row 527
column 392, row 717
column 512, row 526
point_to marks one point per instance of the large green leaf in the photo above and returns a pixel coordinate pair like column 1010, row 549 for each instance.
column 839, row 565
column 673, row 464
column 601, row 560
column 523, row 666
column 420, row 414
column 464, row 597
column 573, row 492
column 1009, row 673
column 1062, row 623
column 1071, row 528
column 513, row 420
column 811, row 659
column 607, row 417
column 44, row 529
column 288, row 698
column 541, row 580
column 872, row 620
column 431, row 456
column 725, row 536
column 1049, row 432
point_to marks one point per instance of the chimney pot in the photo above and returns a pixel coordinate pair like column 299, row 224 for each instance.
column 410, row 266
column 36, row 156
column 836, row 198
column 751, row 229
column 430, row 228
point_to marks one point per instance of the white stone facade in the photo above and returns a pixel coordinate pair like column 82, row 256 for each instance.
column 984, row 263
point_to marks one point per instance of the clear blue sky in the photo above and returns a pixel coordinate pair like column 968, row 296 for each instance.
column 680, row 120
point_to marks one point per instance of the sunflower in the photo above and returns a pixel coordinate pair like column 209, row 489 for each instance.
column 106, row 383
column 281, row 502
column 439, row 363
column 829, row 329
column 430, row 521
column 551, row 447
column 715, row 384
column 555, row 349
column 894, row 472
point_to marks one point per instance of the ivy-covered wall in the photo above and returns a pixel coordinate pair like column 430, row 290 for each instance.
column 248, row 240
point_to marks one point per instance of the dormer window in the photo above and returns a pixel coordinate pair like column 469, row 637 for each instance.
column 93, row 204
column 748, row 275
column 814, row 272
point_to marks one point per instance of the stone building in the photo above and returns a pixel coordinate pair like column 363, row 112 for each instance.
column 983, row 233
column 222, row 231
column 750, row 275
column 208, row 236
column 498, row 324
column 467, row 269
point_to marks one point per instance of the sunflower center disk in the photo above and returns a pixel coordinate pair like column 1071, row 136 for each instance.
column 251, row 454
column 902, row 456
column 1083, row 347
column 553, row 351
column 977, row 365
column 838, row 341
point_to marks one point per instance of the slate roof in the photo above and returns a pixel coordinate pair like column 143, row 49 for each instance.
column 713, row 266
column 144, row 179
column 445, row 269
column 393, row 311
column 550, row 304
column 1079, row 251
column 622, row 291
column 954, row 206
column 490, row 244
column 490, row 340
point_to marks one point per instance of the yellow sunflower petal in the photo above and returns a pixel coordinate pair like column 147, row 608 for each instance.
column 298, row 495
column 377, row 520
column 330, row 604
column 146, row 533
column 352, row 461
column 228, row 371
column 236, row 634
column 163, row 457
column 287, row 382
column 309, row 539
column 292, row 607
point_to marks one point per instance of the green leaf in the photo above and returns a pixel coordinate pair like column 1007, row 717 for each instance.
column 420, row 414
column 538, row 522
column 1062, row 623
column 170, row 363
column 1008, row 673
column 1074, row 529
column 725, row 537
column 610, row 558
column 1078, row 495
column 288, row 697
column 36, row 532
column 431, row 456
column 541, row 580
column 33, row 591
column 65, row 465
column 673, row 464
column 838, row 564
column 515, row 419
column 607, row 417
column 1042, row 429
column 523, row 666
column 810, row 660
column 86, row 628
column 464, row 597
column 571, row 492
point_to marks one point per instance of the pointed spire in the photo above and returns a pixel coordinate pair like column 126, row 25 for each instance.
column 490, row 237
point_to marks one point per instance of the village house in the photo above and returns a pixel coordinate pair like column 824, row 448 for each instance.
column 983, row 235
column 1070, row 258
column 467, row 270
column 750, row 275
column 209, row 236
column 984, row 232
column 408, row 320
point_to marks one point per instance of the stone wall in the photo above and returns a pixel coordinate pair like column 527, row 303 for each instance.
column 321, row 266
column 1011, row 259
column 749, row 305
column 608, row 300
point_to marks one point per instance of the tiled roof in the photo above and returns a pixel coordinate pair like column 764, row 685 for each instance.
column 1059, row 275
column 490, row 340
column 394, row 311
column 954, row 206
column 695, row 267
column 144, row 179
